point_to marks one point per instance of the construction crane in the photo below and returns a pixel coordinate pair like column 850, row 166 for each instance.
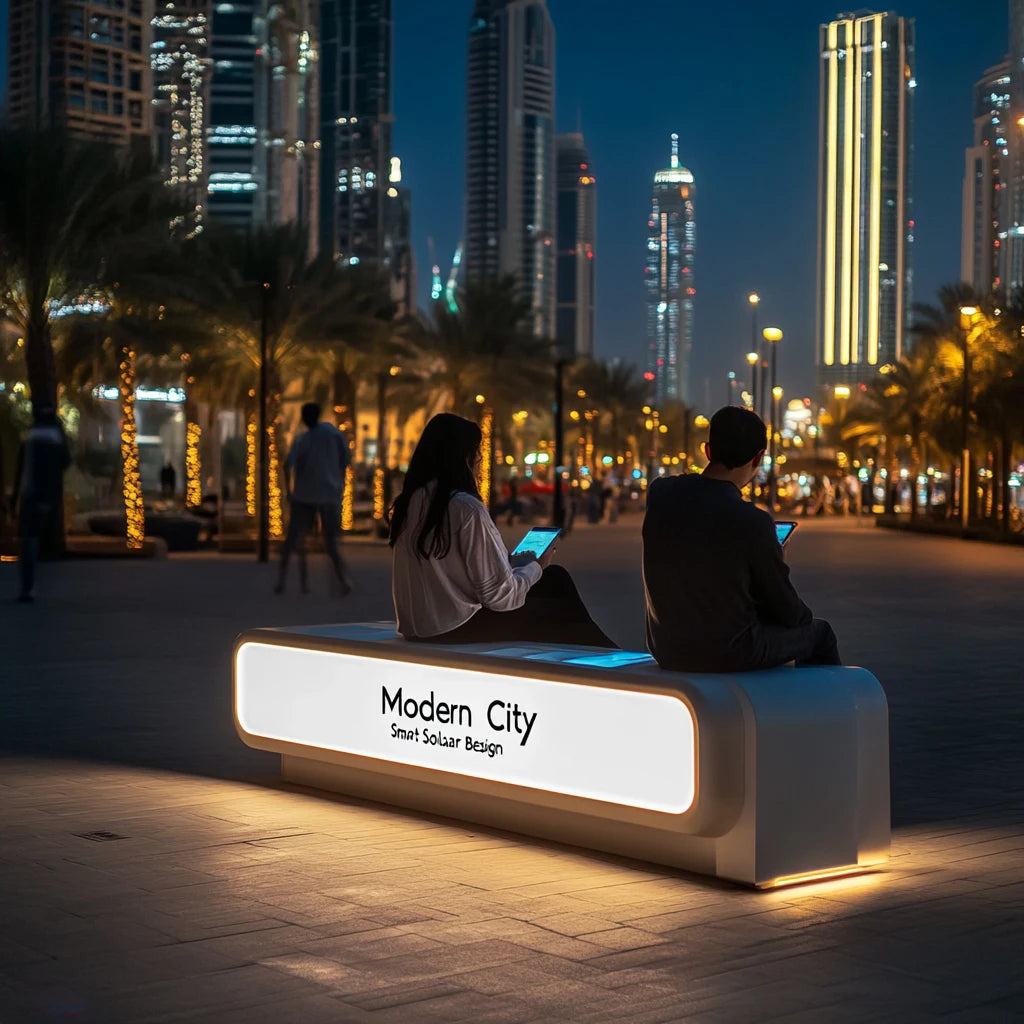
column 451, row 288
column 436, row 288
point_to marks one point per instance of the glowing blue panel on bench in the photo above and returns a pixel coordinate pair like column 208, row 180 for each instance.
column 614, row 659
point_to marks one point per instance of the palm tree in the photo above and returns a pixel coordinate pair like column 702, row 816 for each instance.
column 260, row 296
column 62, row 204
column 619, row 392
column 485, row 347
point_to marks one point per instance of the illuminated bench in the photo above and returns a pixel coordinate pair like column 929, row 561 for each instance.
column 763, row 778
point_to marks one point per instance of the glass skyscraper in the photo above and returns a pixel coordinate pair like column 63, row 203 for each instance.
column 986, row 202
column 355, row 127
column 576, row 244
column 866, row 217
column 510, row 151
column 181, row 86
column 263, row 147
column 670, row 280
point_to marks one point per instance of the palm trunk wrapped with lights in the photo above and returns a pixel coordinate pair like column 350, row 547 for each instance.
column 378, row 494
column 134, row 509
column 250, row 466
column 193, row 466
column 486, row 454
column 348, row 501
column 274, row 484
column 193, row 438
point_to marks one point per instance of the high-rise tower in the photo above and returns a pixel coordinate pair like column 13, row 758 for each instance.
column 986, row 201
column 181, row 84
column 576, row 239
column 510, row 151
column 355, row 127
column 670, row 281
column 866, row 219
column 83, row 66
column 263, row 125
column 1013, row 257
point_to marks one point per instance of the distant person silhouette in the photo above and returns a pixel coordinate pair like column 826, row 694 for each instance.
column 38, row 490
column 168, row 480
column 318, row 460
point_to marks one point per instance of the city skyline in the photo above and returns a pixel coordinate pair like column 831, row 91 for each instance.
column 759, row 211
column 758, row 218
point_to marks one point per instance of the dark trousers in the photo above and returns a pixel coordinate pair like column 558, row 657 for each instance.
column 813, row 644
column 554, row 613
column 302, row 519
column 33, row 518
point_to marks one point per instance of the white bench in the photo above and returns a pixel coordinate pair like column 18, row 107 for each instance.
column 764, row 778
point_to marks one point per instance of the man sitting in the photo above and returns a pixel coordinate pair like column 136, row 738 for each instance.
column 719, row 598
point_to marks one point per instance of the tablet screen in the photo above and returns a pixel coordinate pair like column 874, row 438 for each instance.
column 538, row 540
column 784, row 531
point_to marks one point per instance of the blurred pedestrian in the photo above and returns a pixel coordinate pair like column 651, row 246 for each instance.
column 318, row 459
column 168, row 480
column 38, row 490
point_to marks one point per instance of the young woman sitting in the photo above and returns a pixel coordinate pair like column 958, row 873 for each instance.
column 453, row 580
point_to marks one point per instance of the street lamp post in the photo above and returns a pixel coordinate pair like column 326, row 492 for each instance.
column 967, row 313
column 731, row 387
column 752, row 360
column 773, row 336
column 773, row 477
column 558, row 500
column 755, row 341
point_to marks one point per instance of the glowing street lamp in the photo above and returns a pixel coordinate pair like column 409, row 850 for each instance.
column 755, row 342
column 967, row 315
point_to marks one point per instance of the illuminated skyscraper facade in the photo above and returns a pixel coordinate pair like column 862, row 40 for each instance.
column 866, row 218
column 355, row 127
column 263, row 143
column 1013, row 243
column 670, row 280
column 82, row 65
column 576, row 247
column 986, row 201
column 510, row 151
column 181, row 84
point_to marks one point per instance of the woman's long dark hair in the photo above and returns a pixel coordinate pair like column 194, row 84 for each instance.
column 445, row 454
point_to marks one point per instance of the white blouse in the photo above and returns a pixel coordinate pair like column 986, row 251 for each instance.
column 435, row 595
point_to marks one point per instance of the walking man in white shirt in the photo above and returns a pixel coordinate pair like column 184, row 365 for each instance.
column 318, row 460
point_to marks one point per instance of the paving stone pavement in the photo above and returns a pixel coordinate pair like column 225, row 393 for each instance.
column 227, row 896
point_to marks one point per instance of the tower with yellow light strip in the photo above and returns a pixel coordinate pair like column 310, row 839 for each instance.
column 866, row 218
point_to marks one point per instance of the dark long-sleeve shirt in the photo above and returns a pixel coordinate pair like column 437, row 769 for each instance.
column 42, row 459
column 714, row 576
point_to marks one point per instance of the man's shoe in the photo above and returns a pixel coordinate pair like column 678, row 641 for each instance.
column 279, row 588
column 26, row 598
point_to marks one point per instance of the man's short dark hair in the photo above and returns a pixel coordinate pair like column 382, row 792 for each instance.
column 736, row 436
column 311, row 414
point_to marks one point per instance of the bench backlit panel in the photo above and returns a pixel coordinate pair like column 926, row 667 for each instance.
column 600, row 743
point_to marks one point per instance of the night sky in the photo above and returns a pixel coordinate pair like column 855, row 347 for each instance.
column 739, row 82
